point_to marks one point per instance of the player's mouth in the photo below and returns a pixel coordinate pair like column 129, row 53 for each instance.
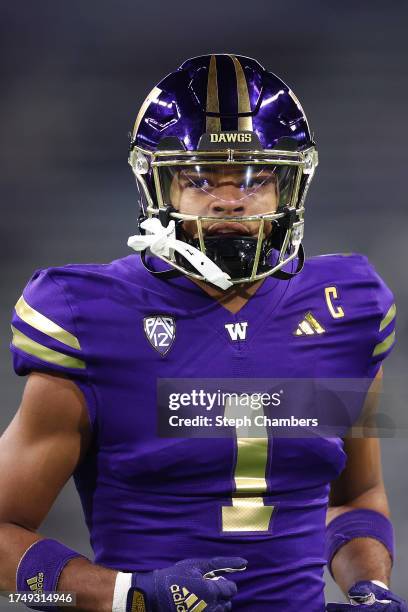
column 231, row 228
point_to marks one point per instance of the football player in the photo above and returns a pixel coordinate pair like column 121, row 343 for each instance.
column 223, row 156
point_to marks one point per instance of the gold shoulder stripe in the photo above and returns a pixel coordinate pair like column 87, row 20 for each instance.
column 244, row 104
column 392, row 311
column 43, row 324
column 213, row 124
column 383, row 346
column 24, row 343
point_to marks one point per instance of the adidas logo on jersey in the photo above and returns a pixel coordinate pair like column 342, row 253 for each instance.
column 36, row 583
column 309, row 326
column 237, row 331
column 186, row 601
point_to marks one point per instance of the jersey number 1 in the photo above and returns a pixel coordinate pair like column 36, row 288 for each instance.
column 248, row 511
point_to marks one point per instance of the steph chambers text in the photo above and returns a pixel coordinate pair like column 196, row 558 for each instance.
column 260, row 420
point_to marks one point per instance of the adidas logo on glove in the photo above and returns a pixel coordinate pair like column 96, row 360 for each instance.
column 36, row 582
column 186, row 601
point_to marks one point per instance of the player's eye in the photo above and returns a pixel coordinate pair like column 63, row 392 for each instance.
column 254, row 181
column 195, row 182
column 251, row 183
column 202, row 183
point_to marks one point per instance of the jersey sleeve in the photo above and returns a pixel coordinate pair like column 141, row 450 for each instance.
column 44, row 335
column 385, row 320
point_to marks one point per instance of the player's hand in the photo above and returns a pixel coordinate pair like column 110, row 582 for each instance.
column 187, row 583
column 366, row 596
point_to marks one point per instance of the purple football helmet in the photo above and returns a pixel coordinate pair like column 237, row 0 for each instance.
column 223, row 157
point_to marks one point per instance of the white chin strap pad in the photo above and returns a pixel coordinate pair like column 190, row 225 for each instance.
column 162, row 242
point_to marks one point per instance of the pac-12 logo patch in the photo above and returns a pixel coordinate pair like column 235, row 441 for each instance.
column 160, row 331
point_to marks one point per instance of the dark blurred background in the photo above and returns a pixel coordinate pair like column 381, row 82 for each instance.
column 73, row 77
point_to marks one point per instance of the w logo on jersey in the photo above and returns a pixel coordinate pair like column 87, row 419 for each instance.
column 160, row 332
column 237, row 331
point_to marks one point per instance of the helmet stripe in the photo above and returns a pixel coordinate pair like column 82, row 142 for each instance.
column 298, row 104
column 244, row 104
column 153, row 95
column 213, row 124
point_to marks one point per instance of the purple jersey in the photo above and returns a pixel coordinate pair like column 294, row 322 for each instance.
column 150, row 501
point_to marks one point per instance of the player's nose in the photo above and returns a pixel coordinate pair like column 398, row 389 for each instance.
column 227, row 200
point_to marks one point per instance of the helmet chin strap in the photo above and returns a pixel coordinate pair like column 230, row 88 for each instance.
column 162, row 242
column 282, row 275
